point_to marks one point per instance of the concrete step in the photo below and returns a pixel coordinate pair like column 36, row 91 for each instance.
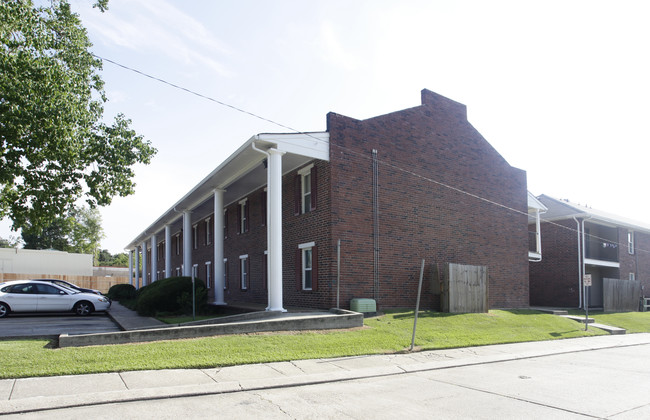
column 579, row 318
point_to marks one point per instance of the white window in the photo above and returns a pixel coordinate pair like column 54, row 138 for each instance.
column 243, row 271
column 208, row 274
column 307, row 265
column 195, row 236
column 178, row 271
column 208, row 240
column 305, row 189
column 195, row 270
column 243, row 216
column 630, row 242
column 632, row 277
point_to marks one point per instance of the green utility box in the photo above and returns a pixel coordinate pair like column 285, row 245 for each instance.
column 363, row 305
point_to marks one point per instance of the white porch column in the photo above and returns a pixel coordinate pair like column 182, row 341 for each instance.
column 154, row 258
column 137, row 268
column 131, row 267
column 144, row 263
column 187, row 243
column 274, row 229
column 168, row 251
column 218, row 248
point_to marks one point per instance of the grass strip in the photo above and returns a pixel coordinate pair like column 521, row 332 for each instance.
column 389, row 333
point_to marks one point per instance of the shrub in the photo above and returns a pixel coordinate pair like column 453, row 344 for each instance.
column 169, row 295
column 121, row 292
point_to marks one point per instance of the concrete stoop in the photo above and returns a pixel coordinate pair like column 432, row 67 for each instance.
column 590, row 321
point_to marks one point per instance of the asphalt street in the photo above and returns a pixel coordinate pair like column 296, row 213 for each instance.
column 25, row 325
column 603, row 377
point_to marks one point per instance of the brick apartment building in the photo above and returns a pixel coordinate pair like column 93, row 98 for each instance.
column 393, row 189
column 578, row 240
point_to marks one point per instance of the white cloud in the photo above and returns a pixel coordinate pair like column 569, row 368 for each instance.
column 333, row 50
column 157, row 27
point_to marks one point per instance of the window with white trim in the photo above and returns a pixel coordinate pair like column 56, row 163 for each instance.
column 208, row 238
column 178, row 271
column 632, row 277
column 305, row 189
column 630, row 242
column 178, row 243
column 195, row 236
column 195, row 271
column 307, row 265
column 243, row 215
column 243, row 272
column 208, row 274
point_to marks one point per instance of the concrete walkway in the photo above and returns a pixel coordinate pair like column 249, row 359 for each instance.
column 32, row 395
column 129, row 320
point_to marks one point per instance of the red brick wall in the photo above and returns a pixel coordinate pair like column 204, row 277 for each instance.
column 554, row 280
column 419, row 150
column 639, row 262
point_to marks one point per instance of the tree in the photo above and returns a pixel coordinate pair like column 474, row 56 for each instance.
column 11, row 242
column 86, row 231
column 54, row 146
column 80, row 231
column 106, row 259
column 52, row 236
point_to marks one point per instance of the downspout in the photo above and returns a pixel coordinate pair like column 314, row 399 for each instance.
column 579, row 264
column 584, row 255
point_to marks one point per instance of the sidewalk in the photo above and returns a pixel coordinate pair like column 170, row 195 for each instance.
column 36, row 394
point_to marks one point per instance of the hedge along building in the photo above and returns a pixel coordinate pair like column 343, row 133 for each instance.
column 265, row 225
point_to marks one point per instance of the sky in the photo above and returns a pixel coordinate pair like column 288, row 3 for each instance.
column 561, row 89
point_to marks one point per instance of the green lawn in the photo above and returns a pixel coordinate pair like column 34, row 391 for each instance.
column 385, row 334
column 633, row 322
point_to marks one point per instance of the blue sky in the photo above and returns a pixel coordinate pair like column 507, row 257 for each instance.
column 559, row 88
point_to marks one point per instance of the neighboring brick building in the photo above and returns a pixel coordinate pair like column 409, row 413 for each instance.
column 393, row 189
column 577, row 240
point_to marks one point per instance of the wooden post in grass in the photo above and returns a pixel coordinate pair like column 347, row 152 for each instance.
column 417, row 305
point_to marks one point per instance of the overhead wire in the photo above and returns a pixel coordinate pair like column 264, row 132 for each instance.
column 385, row 163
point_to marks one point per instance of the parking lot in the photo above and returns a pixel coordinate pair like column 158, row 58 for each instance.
column 29, row 325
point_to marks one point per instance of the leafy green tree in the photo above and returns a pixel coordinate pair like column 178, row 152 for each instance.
column 86, row 230
column 106, row 259
column 79, row 231
column 52, row 236
column 11, row 242
column 54, row 145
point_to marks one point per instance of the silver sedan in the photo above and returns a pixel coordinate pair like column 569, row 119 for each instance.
column 39, row 296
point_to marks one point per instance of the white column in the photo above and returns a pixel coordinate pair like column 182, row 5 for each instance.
column 131, row 267
column 154, row 258
column 144, row 263
column 187, row 243
column 137, row 268
column 274, row 229
column 218, row 248
column 168, row 251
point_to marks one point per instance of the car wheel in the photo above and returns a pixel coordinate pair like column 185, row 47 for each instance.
column 83, row 308
column 4, row 310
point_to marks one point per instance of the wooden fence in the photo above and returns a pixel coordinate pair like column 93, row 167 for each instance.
column 89, row 282
column 621, row 295
column 464, row 288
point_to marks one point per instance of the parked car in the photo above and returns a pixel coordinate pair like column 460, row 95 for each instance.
column 41, row 296
column 71, row 286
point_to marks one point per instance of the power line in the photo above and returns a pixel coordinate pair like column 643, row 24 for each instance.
column 388, row 164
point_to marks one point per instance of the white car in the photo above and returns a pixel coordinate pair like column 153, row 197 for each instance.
column 40, row 296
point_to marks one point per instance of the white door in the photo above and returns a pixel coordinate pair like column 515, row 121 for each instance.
column 22, row 297
column 53, row 299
